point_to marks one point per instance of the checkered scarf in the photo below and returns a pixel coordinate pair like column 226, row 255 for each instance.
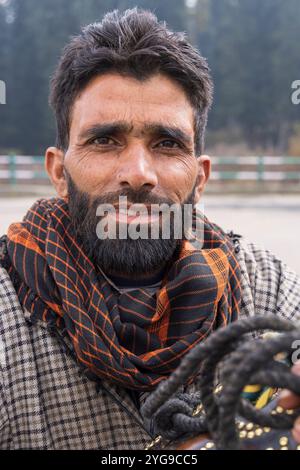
column 133, row 339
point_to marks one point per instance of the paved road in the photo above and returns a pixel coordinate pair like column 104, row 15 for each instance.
column 272, row 221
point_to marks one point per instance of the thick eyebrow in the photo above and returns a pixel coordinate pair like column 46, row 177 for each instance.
column 172, row 132
column 117, row 128
column 99, row 130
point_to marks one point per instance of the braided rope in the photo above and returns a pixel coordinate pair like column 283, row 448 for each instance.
column 242, row 362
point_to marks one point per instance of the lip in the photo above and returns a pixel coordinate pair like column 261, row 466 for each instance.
column 137, row 206
column 126, row 215
column 139, row 219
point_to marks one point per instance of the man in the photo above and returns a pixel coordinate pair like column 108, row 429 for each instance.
column 92, row 321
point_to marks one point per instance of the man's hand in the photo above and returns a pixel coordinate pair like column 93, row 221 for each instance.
column 288, row 400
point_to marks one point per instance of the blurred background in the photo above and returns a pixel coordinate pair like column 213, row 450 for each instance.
column 253, row 136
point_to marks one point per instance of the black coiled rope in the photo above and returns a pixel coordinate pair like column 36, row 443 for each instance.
column 244, row 362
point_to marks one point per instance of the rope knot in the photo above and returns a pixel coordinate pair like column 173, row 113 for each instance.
column 165, row 417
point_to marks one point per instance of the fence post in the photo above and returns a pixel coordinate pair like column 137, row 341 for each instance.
column 12, row 170
column 261, row 168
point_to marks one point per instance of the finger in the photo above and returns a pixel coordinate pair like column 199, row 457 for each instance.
column 296, row 430
column 296, row 368
column 288, row 399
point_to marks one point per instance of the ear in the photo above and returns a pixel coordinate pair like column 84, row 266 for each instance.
column 54, row 164
column 204, row 167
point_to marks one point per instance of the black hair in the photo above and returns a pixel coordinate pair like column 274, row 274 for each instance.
column 133, row 43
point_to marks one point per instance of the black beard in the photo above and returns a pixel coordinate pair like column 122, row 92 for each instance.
column 127, row 257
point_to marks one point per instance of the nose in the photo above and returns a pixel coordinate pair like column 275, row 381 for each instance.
column 136, row 169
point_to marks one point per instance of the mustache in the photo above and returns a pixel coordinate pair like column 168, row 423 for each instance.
column 83, row 207
column 142, row 196
column 133, row 197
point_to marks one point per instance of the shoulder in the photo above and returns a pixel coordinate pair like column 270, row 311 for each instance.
column 8, row 296
column 12, row 318
column 268, row 283
column 11, row 312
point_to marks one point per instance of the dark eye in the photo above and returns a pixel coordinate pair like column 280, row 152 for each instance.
column 168, row 143
column 102, row 141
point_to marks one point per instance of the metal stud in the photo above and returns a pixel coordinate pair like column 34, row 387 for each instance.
column 267, row 429
column 198, row 409
column 218, row 389
column 283, row 441
column 258, row 432
column 249, row 426
column 209, row 445
column 243, row 434
column 250, row 434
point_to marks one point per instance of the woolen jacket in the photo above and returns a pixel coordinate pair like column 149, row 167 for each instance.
column 48, row 402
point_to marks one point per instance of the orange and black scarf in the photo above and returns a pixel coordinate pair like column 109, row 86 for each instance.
column 133, row 339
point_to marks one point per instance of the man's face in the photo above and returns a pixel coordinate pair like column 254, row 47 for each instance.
column 129, row 138
column 135, row 151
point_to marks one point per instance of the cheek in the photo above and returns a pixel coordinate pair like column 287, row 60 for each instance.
column 89, row 173
column 179, row 178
